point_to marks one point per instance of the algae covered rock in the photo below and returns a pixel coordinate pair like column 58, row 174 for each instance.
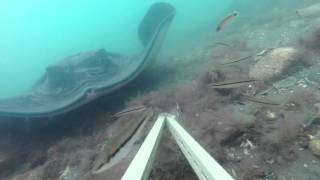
column 277, row 63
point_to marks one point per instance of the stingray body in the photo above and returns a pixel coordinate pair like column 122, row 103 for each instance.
column 81, row 78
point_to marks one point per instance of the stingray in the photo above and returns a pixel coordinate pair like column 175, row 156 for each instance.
column 81, row 78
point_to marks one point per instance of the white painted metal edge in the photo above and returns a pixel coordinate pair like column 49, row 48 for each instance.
column 203, row 164
column 140, row 166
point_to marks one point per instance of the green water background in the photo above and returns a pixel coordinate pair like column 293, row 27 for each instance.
column 37, row 33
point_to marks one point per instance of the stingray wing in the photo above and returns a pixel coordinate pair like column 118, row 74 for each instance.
column 83, row 77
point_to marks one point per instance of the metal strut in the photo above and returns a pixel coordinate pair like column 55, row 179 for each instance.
column 205, row 166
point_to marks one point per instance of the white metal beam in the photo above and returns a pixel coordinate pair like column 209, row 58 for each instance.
column 203, row 164
column 140, row 167
column 206, row 167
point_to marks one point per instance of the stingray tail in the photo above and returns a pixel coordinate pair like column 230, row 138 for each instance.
column 158, row 15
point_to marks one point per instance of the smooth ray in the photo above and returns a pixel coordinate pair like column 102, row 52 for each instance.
column 81, row 78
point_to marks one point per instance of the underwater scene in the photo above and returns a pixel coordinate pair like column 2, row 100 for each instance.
column 82, row 84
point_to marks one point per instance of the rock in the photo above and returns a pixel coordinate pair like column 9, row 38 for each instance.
column 275, row 64
column 311, row 40
column 53, row 169
column 314, row 145
column 32, row 174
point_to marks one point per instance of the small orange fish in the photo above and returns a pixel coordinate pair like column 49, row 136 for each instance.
column 227, row 20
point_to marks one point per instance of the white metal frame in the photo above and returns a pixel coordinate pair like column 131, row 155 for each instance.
column 140, row 166
column 205, row 166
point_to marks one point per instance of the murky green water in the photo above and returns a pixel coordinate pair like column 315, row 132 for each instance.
column 37, row 33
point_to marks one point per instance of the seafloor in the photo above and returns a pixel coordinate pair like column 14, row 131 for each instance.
column 259, row 130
